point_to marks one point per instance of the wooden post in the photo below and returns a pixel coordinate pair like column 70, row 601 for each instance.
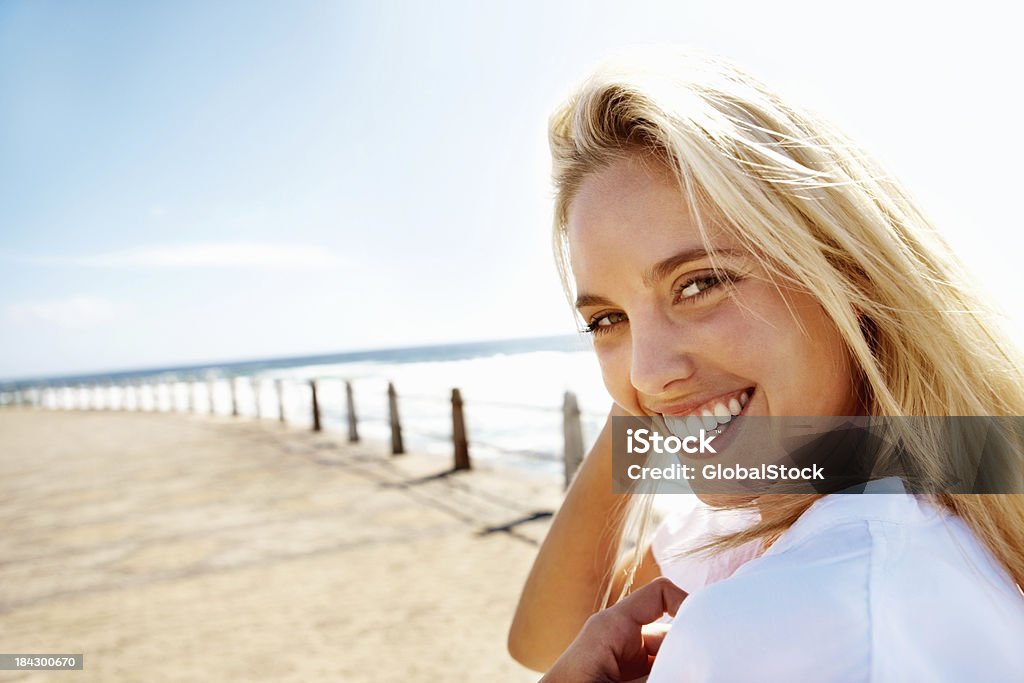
column 191, row 396
column 397, row 447
column 279, row 387
column 459, row 433
column 316, row 406
column 234, row 398
column 212, row 407
column 353, row 430
column 255, row 384
column 573, row 436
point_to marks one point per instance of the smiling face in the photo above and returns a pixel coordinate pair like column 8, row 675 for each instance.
column 675, row 336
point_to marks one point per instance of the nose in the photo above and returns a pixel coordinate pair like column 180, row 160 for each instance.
column 661, row 354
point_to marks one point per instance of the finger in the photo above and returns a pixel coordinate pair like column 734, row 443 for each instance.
column 653, row 636
column 652, row 601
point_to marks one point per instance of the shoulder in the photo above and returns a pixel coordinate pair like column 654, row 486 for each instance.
column 860, row 588
column 781, row 616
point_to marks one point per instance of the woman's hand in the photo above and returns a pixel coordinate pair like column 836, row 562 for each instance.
column 613, row 645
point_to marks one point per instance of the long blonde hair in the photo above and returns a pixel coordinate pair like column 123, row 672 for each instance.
column 822, row 217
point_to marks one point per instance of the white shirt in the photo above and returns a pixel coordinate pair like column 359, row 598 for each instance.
column 690, row 525
column 863, row 587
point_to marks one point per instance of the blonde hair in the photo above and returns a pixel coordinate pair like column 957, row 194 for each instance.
column 823, row 218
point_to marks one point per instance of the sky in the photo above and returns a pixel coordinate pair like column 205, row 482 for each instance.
column 184, row 182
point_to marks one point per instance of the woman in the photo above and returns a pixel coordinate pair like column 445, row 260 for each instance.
column 731, row 252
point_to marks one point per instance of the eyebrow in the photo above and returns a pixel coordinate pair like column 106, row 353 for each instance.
column 659, row 271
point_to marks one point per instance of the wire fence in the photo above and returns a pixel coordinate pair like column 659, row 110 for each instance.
column 551, row 436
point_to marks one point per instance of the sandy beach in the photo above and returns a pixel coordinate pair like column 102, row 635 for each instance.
column 169, row 547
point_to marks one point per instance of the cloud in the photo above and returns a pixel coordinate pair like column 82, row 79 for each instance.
column 202, row 255
column 75, row 312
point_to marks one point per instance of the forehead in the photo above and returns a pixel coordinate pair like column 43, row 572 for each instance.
column 628, row 216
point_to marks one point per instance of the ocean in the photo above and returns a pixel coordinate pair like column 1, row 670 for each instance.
column 512, row 393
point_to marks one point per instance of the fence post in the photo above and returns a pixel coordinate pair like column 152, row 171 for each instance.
column 573, row 435
column 255, row 384
column 316, row 406
column 234, row 397
column 397, row 447
column 459, row 433
column 279, row 387
column 353, row 430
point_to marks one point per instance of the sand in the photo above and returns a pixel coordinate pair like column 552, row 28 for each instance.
column 168, row 547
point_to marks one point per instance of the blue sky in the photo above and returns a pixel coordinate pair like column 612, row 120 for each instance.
column 193, row 181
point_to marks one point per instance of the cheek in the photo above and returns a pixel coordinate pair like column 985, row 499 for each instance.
column 812, row 373
column 615, row 371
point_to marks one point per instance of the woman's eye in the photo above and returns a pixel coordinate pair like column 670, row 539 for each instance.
column 610, row 319
column 690, row 290
column 604, row 323
column 701, row 284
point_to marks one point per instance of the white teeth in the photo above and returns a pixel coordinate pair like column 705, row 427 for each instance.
column 676, row 425
column 709, row 420
column 694, row 424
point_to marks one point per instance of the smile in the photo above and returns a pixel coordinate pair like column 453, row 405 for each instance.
column 712, row 416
